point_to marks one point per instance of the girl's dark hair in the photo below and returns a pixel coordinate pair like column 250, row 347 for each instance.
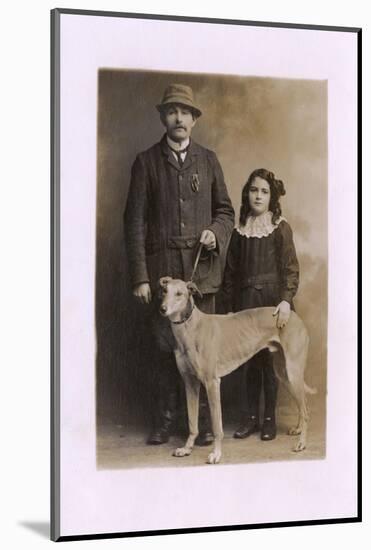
column 277, row 190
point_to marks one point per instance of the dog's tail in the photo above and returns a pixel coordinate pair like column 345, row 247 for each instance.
column 310, row 390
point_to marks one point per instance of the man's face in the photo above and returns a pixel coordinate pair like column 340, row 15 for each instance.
column 178, row 121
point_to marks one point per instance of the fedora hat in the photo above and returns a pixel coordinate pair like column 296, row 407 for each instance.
column 181, row 94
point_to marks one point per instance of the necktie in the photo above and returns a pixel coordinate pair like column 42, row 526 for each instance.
column 179, row 153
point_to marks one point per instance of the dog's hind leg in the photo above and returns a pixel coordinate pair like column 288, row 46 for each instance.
column 302, row 427
column 213, row 395
column 295, row 386
column 295, row 341
column 289, row 378
column 192, row 388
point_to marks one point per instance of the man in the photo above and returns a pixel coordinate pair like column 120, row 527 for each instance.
column 177, row 199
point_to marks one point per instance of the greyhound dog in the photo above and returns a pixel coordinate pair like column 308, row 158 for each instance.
column 210, row 346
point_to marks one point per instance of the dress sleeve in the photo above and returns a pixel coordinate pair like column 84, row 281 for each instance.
column 229, row 289
column 288, row 262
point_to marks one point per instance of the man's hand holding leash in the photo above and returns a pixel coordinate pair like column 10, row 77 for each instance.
column 208, row 239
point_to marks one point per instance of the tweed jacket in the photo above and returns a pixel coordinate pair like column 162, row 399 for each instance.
column 167, row 209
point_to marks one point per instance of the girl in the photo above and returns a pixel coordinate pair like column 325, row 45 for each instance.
column 261, row 270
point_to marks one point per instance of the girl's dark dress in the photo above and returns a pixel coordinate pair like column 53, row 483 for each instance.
column 260, row 271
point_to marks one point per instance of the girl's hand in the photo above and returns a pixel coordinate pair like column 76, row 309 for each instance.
column 283, row 311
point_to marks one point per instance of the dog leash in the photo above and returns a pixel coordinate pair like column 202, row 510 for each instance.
column 199, row 250
column 188, row 315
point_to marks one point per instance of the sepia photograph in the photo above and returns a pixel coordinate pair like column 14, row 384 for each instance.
column 235, row 167
column 204, row 279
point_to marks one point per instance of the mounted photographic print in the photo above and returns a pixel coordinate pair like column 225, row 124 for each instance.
column 204, row 275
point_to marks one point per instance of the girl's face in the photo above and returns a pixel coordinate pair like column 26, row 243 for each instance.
column 259, row 196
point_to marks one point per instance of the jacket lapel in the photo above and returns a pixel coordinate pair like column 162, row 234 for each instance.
column 167, row 152
column 191, row 157
column 189, row 160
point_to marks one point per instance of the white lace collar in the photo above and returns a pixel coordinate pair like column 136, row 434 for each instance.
column 259, row 226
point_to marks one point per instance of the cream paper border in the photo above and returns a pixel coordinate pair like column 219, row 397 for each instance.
column 92, row 501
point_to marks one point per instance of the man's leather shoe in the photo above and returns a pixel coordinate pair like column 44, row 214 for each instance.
column 249, row 427
column 159, row 436
column 269, row 430
column 204, row 439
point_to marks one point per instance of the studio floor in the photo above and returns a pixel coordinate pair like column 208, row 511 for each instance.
column 120, row 447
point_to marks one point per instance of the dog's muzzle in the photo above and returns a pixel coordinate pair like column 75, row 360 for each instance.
column 163, row 310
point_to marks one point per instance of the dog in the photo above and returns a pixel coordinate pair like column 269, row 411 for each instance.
column 210, row 346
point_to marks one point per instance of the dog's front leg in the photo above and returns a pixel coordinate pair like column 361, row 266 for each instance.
column 213, row 395
column 192, row 387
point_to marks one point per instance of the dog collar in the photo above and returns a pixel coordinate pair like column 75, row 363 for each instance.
column 188, row 315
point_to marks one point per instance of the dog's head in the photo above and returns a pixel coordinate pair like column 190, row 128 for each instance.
column 176, row 296
column 163, row 282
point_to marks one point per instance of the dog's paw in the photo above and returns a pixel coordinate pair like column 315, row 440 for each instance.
column 182, row 451
column 294, row 431
column 300, row 446
column 214, row 458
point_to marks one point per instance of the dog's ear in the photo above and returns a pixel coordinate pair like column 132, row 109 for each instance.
column 192, row 287
column 164, row 281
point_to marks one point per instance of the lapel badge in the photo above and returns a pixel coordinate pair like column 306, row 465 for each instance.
column 195, row 183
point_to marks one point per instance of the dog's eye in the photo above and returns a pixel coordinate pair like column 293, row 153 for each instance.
column 179, row 294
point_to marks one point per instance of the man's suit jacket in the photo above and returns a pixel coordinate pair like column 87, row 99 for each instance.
column 168, row 207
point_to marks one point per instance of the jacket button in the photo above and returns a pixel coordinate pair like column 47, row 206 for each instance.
column 182, row 224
